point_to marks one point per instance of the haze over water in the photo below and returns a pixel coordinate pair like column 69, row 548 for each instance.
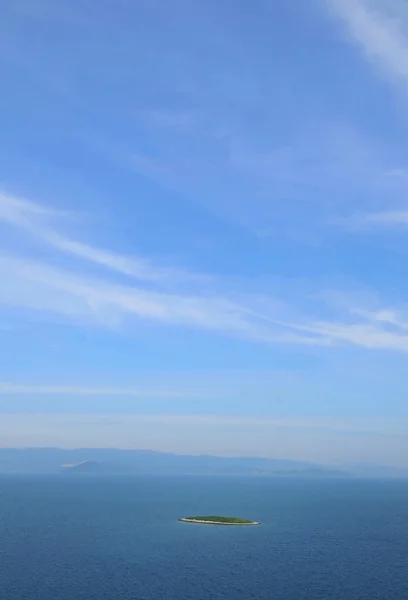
column 118, row 538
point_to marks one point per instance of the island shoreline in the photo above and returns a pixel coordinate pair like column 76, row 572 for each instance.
column 185, row 520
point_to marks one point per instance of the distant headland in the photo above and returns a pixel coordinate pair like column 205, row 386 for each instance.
column 213, row 520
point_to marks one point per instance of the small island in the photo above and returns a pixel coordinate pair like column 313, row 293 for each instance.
column 213, row 520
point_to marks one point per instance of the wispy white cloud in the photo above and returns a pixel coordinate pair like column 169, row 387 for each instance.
column 389, row 317
column 372, row 335
column 373, row 222
column 397, row 173
column 21, row 212
column 324, row 176
column 380, row 29
column 70, row 294
column 276, row 189
column 36, row 286
column 7, row 388
column 387, row 219
column 385, row 425
column 39, row 222
column 39, row 287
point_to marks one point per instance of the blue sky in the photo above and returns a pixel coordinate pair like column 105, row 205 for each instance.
column 204, row 226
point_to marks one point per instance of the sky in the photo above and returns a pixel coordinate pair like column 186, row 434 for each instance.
column 204, row 227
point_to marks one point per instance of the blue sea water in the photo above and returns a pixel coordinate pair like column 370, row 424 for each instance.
column 118, row 538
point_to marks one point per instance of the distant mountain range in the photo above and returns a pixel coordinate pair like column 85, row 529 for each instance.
column 114, row 461
column 88, row 461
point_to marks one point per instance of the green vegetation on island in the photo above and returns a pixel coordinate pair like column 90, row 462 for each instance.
column 216, row 520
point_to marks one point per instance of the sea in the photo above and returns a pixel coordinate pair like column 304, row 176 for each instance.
column 73, row 537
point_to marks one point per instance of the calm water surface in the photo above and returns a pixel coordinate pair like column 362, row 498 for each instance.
column 64, row 538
